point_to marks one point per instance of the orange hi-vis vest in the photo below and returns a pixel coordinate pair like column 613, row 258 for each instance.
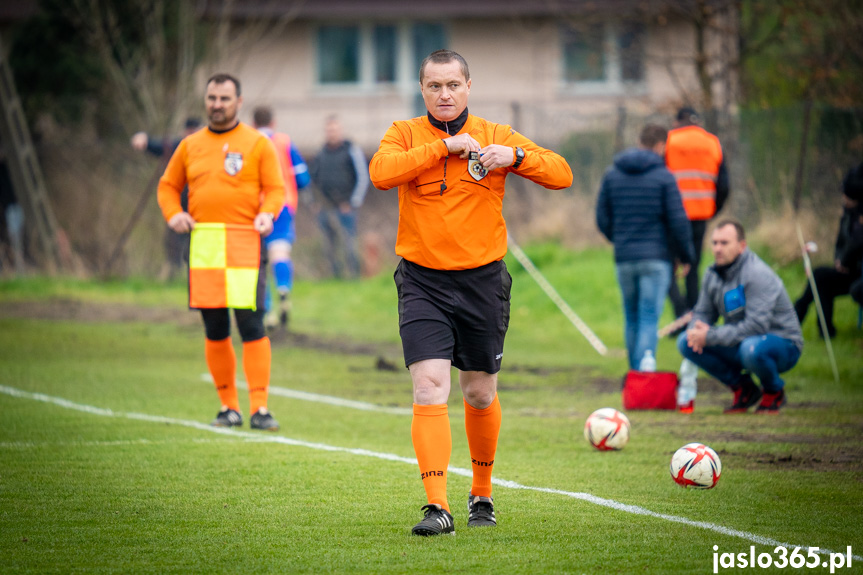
column 450, row 209
column 232, row 176
column 694, row 155
column 282, row 142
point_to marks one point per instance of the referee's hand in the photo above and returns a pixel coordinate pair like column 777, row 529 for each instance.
column 264, row 223
column 181, row 223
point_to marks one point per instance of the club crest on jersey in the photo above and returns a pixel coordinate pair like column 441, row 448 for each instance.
column 476, row 170
column 233, row 163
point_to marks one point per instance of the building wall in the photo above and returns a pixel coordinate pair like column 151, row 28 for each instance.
column 516, row 69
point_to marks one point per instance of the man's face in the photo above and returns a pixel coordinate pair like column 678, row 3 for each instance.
column 445, row 90
column 222, row 105
column 726, row 246
column 333, row 133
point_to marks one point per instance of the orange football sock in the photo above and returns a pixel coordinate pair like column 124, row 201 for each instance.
column 223, row 367
column 256, row 364
column 432, row 439
column 483, row 428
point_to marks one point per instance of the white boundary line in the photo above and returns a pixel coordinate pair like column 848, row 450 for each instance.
column 633, row 509
column 328, row 399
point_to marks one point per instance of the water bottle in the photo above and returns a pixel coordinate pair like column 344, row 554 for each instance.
column 688, row 386
column 648, row 362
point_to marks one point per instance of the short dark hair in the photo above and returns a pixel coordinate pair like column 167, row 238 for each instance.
column 652, row 134
column 687, row 116
column 262, row 116
column 222, row 78
column 741, row 233
column 444, row 57
column 192, row 122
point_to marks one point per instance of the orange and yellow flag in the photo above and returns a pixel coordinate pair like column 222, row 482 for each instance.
column 223, row 266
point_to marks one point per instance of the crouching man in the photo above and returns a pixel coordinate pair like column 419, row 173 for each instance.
column 760, row 335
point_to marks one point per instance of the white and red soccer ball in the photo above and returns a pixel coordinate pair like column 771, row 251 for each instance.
column 695, row 465
column 607, row 429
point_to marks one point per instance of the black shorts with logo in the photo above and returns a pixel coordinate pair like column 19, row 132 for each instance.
column 459, row 315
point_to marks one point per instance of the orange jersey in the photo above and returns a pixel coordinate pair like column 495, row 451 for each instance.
column 282, row 142
column 462, row 226
column 694, row 155
column 232, row 176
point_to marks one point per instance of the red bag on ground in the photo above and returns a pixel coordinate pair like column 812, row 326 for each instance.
column 650, row 390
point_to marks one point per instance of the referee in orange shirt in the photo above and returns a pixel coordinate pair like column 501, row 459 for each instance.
column 234, row 177
column 453, row 286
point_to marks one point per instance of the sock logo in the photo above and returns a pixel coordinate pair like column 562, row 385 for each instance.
column 482, row 463
column 425, row 474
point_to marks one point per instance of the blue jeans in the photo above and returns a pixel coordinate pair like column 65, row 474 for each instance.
column 643, row 285
column 765, row 356
column 347, row 222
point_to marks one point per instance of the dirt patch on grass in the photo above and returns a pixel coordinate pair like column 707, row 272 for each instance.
column 825, row 457
column 75, row 310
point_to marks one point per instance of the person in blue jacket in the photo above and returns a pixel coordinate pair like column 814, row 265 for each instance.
column 640, row 211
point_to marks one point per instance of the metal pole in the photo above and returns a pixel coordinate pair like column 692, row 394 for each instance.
column 555, row 297
column 807, row 264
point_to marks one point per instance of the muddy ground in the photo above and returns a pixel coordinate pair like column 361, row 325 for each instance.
column 838, row 450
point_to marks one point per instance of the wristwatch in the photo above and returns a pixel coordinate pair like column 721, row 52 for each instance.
column 519, row 158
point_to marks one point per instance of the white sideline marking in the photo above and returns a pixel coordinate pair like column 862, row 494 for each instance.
column 634, row 509
column 115, row 443
column 328, row 399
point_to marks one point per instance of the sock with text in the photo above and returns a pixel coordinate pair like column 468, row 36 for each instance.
column 432, row 439
column 222, row 363
column 483, row 428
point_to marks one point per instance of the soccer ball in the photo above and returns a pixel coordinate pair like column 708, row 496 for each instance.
column 695, row 465
column 607, row 429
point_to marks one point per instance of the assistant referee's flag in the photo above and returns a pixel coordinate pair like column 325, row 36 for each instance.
column 224, row 260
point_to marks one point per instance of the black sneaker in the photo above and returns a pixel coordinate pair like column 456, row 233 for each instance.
column 228, row 418
column 284, row 310
column 263, row 419
column 437, row 521
column 480, row 511
column 771, row 402
column 745, row 396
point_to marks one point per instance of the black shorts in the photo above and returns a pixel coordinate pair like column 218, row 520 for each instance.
column 457, row 315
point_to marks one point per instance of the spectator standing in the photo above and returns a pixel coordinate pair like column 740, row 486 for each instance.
column 639, row 210
column 694, row 156
column 13, row 214
column 760, row 334
column 234, row 178
column 176, row 245
column 280, row 242
column 341, row 174
column 453, row 287
column 845, row 276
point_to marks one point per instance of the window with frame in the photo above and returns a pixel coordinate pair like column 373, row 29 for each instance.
column 371, row 54
column 338, row 54
column 604, row 57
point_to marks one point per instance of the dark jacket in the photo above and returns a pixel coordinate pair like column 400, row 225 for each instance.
column 338, row 173
column 849, row 240
column 640, row 211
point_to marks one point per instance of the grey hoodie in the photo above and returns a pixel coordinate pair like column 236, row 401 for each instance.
column 767, row 308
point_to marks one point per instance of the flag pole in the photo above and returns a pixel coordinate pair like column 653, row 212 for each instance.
column 555, row 297
column 807, row 265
